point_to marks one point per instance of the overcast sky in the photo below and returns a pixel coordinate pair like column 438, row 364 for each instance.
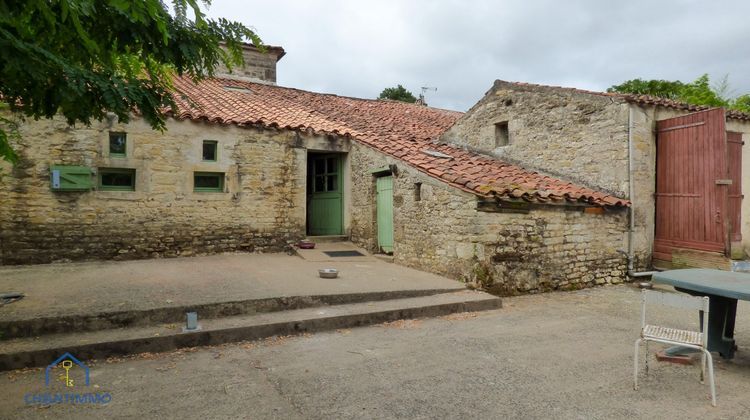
column 357, row 48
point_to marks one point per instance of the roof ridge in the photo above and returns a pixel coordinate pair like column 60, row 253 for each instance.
column 635, row 98
column 401, row 103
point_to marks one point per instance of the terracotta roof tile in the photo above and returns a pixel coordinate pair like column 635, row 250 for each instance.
column 398, row 129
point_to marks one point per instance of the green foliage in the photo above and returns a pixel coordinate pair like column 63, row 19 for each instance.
column 742, row 103
column 661, row 88
column 698, row 92
column 86, row 58
column 398, row 93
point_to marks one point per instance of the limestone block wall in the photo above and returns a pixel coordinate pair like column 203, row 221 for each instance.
column 547, row 249
column 563, row 132
column 261, row 209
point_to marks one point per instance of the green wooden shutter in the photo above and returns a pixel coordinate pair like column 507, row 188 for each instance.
column 70, row 178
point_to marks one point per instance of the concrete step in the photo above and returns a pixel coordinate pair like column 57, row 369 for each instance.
column 40, row 351
column 328, row 238
column 82, row 322
column 384, row 257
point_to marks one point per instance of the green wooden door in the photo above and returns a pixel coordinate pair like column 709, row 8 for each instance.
column 325, row 195
column 384, row 199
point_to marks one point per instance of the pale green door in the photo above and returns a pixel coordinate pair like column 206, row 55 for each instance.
column 325, row 195
column 384, row 187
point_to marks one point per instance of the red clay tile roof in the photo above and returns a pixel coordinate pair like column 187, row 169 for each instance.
column 404, row 131
column 636, row 99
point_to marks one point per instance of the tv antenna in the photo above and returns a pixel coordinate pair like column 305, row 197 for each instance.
column 421, row 100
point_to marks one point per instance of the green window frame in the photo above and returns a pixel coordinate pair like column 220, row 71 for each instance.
column 208, row 181
column 118, row 144
column 326, row 174
column 116, row 179
column 210, row 151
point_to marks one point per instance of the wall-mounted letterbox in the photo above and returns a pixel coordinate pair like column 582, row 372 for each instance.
column 70, row 178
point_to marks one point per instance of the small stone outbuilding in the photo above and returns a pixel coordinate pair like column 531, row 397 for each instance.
column 682, row 166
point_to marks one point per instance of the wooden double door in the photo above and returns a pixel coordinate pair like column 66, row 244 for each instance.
column 698, row 184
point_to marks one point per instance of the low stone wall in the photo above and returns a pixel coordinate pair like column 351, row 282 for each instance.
column 549, row 248
column 260, row 209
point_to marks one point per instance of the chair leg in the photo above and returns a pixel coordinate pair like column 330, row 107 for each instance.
column 711, row 376
column 635, row 364
column 703, row 367
column 647, row 354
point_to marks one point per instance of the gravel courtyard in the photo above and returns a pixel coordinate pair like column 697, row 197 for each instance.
column 556, row 355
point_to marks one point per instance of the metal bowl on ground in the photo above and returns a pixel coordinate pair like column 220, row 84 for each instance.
column 328, row 273
column 303, row 244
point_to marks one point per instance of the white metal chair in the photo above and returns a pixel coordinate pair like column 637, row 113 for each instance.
column 692, row 339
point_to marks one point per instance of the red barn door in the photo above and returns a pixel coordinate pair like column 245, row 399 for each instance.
column 734, row 156
column 692, row 184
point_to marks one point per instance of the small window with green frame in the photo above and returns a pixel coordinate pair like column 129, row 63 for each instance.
column 210, row 150
column 118, row 144
column 208, row 182
column 116, row 179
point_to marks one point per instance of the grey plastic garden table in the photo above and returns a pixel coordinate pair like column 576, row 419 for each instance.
column 724, row 289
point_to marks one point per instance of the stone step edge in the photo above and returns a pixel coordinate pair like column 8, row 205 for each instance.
column 176, row 314
column 345, row 316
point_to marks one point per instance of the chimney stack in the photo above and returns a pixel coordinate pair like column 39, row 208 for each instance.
column 260, row 67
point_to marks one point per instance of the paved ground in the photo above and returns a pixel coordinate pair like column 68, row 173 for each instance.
column 84, row 288
column 557, row 355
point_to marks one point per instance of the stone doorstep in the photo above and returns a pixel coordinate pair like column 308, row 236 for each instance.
column 19, row 328
column 328, row 238
column 29, row 352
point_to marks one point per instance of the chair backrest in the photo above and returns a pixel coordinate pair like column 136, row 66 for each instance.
column 679, row 301
column 676, row 300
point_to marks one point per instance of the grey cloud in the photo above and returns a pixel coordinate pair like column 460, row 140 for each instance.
column 357, row 48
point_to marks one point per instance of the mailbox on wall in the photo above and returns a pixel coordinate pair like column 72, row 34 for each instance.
column 70, row 178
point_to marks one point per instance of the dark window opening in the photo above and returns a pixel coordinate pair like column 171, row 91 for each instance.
column 116, row 179
column 117, row 144
column 210, row 149
column 326, row 175
column 502, row 137
column 208, row 182
column 417, row 191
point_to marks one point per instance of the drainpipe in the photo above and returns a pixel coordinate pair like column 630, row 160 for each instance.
column 631, row 209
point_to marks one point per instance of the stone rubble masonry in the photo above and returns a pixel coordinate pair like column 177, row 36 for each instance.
column 262, row 208
column 549, row 248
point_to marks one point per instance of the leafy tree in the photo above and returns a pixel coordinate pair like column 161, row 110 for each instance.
column 698, row 92
column 398, row 93
column 661, row 88
column 742, row 103
column 86, row 58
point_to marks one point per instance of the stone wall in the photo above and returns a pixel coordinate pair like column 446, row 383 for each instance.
column 547, row 249
column 563, row 132
column 262, row 207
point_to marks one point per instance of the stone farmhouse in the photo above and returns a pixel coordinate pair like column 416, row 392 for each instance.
column 528, row 191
